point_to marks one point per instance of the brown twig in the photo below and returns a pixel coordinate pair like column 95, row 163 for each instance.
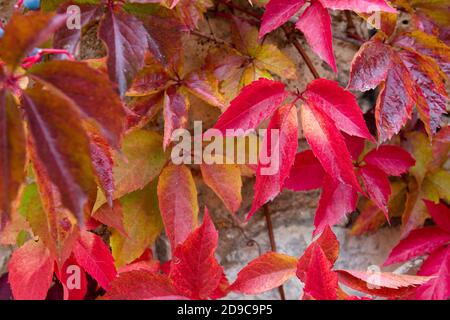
column 273, row 244
column 210, row 38
column 302, row 52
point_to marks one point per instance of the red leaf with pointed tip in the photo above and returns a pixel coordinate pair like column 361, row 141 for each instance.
column 395, row 101
column 321, row 282
column 73, row 280
column 264, row 273
column 393, row 160
column 95, row 257
column 328, row 145
column 377, row 186
column 438, row 266
column 440, row 214
column 366, row 6
column 255, row 103
column 338, row 104
column 30, row 271
column 417, row 243
column 62, row 145
column 315, row 23
column 195, row 271
column 142, row 285
column 277, row 13
column 176, row 108
column 370, row 66
column 274, row 165
column 177, row 197
column 382, row 284
column 306, row 173
column 329, row 245
column 126, row 40
column 12, row 154
column 337, row 199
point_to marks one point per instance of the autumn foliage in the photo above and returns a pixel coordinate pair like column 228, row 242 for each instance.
column 88, row 184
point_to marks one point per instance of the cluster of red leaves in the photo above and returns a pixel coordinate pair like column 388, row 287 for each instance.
column 76, row 153
column 188, row 277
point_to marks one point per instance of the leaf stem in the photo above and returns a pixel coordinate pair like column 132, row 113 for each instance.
column 210, row 38
column 273, row 244
column 302, row 52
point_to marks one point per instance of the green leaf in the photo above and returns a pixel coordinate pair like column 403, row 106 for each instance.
column 142, row 222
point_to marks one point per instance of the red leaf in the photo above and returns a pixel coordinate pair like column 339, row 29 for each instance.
column 177, row 197
column 306, row 173
column 366, row 6
column 126, row 40
column 370, row 66
column 321, row 282
column 336, row 200
column 176, row 108
column 277, row 13
column 437, row 265
column 95, row 257
column 355, row 145
column 73, row 280
column 377, row 186
column 30, row 271
column 440, row 214
column 195, row 271
column 62, row 146
column 280, row 149
column 144, row 262
column 338, row 104
column 88, row 89
column 165, row 33
column 432, row 96
column 255, row 103
column 12, row 154
column 222, row 290
column 264, row 273
column 315, row 23
column 382, row 284
column 396, row 100
column 417, row 243
column 328, row 145
column 330, row 247
column 142, row 285
column 391, row 159
column 102, row 162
